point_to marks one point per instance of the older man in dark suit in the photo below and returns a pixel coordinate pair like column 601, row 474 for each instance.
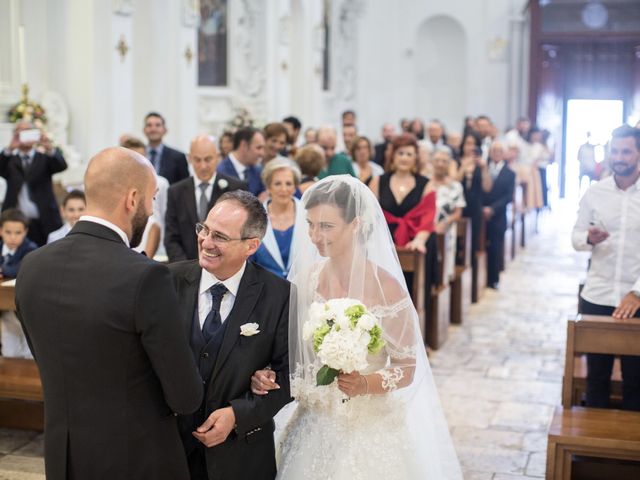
column 189, row 200
column 168, row 162
column 103, row 324
column 28, row 172
column 236, row 315
column 495, row 210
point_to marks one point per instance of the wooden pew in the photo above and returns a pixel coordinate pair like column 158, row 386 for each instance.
column 21, row 401
column 594, row 432
column 414, row 262
column 439, row 317
column 461, row 283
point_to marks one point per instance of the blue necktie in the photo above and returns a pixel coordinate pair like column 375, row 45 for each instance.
column 214, row 320
column 152, row 157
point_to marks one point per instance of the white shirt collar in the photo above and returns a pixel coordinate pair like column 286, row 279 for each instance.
column 197, row 182
column 240, row 168
column 6, row 251
column 208, row 280
column 108, row 224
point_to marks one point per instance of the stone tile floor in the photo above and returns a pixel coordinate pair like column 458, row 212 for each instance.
column 499, row 375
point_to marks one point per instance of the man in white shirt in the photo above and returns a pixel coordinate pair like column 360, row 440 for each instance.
column 608, row 224
column 243, row 162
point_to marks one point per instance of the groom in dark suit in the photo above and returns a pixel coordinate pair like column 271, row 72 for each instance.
column 189, row 200
column 103, row 324
column 236, row 317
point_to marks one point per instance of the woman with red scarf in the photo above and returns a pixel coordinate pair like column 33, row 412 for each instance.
column 407, row 200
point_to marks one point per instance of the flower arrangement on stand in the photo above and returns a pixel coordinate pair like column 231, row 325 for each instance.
column 28, row 110
column 241, row 119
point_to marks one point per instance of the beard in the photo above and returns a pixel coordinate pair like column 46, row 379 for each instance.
column 138, row 224
column 623, row 169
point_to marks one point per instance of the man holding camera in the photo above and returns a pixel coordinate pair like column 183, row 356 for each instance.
column 27, row 164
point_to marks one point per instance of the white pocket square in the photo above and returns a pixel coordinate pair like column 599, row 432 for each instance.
column 249, row 329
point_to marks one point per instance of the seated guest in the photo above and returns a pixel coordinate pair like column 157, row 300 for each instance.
column 287, row 220
column 225, row 144
column 349, row 134
column 243, row 162
column 495, row 210
column 388, row 132
column 15, row 245
column 335, row 163
column 449, row 205
column 153, row 236
column 363, row 165
column 409, row 205
column 310, row 159
column 168, row 162
column 28, row 165
column 473, row 173
column 435, row 137
column 275, row 141
column 189, row 200
column 293, row 126
column 72, row 209
column 310, row 136
column 348, row 118
column 449, row 192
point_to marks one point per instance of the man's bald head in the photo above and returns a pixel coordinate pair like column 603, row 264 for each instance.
column 204, row 157
column 111, row 174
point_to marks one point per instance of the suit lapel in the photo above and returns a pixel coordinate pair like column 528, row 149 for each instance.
column 188, row 297
column 190, row 201
column 248, row 294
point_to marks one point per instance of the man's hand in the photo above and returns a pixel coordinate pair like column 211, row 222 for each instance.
column 596, row 235
column 628, row 306
column 487, row 212
column 216, row 428
column 263, row 381
column 45, row 143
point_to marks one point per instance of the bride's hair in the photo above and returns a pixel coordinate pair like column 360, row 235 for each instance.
column 338, row 194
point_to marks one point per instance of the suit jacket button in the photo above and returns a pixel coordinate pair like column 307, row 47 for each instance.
column 205, row 355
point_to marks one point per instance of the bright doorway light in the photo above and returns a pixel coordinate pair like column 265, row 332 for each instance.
column 599, row 118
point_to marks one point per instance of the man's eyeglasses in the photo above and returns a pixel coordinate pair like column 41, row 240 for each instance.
column 217, row 237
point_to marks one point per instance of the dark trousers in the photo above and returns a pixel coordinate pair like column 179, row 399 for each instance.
column 495, row 253
column 600, row 366
column 197, row 464
column 36, row 232
column 543, row 182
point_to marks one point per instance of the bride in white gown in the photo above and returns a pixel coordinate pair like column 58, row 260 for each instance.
column 385, row 421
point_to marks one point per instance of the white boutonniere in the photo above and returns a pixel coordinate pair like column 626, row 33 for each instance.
column 249, row 329
column 223, row 184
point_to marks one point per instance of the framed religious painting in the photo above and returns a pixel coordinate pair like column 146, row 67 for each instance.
column 212, row 44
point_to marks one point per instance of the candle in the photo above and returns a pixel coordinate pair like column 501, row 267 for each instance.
column 21, row 53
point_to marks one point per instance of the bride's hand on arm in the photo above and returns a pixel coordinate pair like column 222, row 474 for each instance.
column 352, row 384
column 263, row 381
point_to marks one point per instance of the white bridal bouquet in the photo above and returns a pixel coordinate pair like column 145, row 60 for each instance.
column 343, row 333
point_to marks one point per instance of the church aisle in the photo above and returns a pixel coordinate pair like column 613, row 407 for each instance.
column 500, row 374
